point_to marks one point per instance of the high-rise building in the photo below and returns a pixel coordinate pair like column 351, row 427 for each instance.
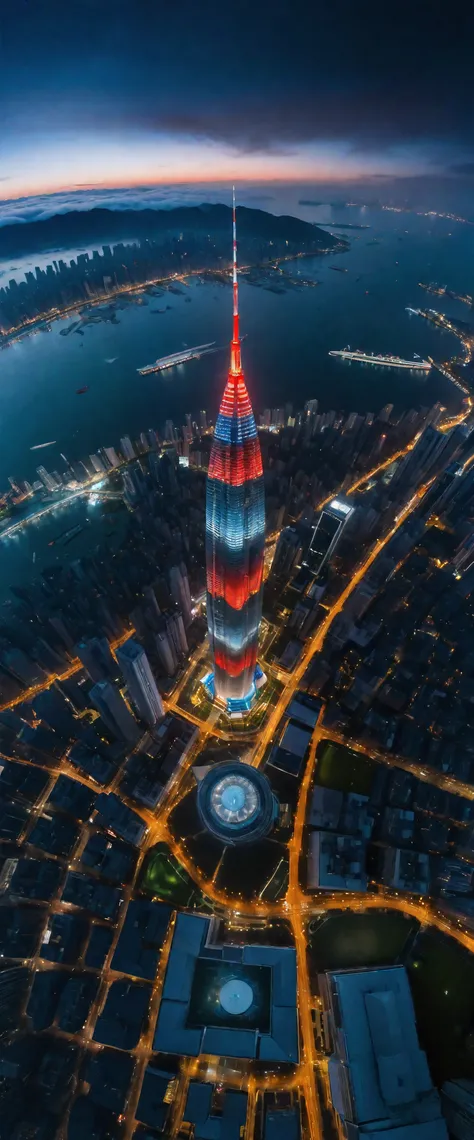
column 327, row 533
column 97, row 659
column 127, row 447
column 176, row 632
column 47, row 480
column 141, row 684
column 180, row 592
column 433, row 451
column 112, row 456
column 114, row 712
column 385, row 414
column 97, row 464
column 235, row 534
column 166, row 651
column 288, row 549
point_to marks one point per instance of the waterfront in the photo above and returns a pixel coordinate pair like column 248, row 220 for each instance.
column 289, row 337
column 24, row 554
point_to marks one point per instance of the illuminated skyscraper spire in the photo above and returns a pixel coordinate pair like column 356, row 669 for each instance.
column 235, row 530
column 235, row 360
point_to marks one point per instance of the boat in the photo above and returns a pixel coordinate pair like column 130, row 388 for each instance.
column 385, row 361
column 70, row 534
column 80, row 391
column 177, row 358
column 65, row 536
column 39, row 446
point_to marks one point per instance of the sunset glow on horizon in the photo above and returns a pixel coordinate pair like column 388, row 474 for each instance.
column 53, row 164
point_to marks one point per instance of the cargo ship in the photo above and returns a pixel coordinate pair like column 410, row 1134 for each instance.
column 386, row 361
column 177, row 358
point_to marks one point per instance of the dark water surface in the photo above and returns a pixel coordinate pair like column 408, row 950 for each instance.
column 285, row 351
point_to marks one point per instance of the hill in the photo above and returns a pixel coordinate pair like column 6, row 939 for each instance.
column 92, row 227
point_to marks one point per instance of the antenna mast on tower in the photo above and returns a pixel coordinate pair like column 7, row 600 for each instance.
column 235, row 361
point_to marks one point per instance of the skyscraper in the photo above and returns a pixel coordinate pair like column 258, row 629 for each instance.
column 327, row 533
column 235, row 534
column 114, row 712
column 180, row 592
column 96, row 657
column 140, row 681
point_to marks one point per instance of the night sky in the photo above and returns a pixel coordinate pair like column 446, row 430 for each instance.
column 118, row 93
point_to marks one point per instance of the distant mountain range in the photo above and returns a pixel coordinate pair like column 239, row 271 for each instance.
column 94, row 227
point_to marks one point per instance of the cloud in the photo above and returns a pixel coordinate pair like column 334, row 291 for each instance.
column 464, row 169
column 260, row 197
column 22, row 210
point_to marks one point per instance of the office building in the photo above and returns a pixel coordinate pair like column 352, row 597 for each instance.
column 127, row 447
column 287, row 553
column 165, row 650
column 180, row 592
column 47, row 480
column 327, row 533
column 141, row 684
column 176, row 632
column 433, row 451
column 114, row 712
column 98, row 464
column 112, row 456
column 235, row 535
column 97, row 659
column 379, row 1079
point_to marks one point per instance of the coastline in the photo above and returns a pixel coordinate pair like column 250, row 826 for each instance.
column 39, row 324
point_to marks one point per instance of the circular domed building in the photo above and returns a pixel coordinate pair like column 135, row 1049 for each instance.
column 236, row 803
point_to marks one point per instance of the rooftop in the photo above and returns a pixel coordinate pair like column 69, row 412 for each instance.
column 378, row 1074
column 226, row 1123
column 201, row 1013
column 235, row 802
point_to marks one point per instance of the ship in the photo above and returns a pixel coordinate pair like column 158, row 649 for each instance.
column 177, row 358
column 39, row 446
column 66, row 535
column 75, row 530
column 80, row 391
column 385, row 361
